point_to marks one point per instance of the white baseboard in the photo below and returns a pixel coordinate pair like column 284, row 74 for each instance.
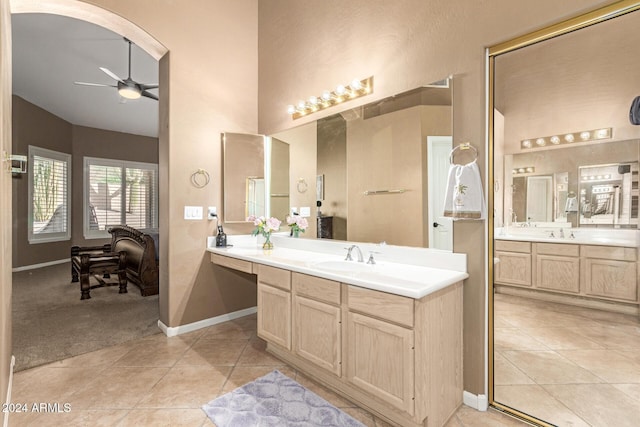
column 9, row 388
column 475, row 401
column 43, row 264
column 190, row 327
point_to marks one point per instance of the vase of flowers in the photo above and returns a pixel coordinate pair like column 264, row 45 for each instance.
column 264, row 227
column 297, row 224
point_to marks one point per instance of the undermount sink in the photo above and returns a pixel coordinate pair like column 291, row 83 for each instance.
column 343, row 266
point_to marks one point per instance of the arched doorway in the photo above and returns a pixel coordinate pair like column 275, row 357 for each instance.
column 115, row 23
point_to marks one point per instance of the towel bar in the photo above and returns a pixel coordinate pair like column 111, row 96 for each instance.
column 373, row 192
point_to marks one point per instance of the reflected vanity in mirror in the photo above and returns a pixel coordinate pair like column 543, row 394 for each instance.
column 563, row 288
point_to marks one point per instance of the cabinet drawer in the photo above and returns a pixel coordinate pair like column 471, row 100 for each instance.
column 274, row 276
column 394, row 308
column 512, row 246
column 234, row 263
column 558, row 249
column 617, row 253
column 317, row 288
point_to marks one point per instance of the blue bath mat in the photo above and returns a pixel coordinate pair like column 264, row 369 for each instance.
column 275, row 400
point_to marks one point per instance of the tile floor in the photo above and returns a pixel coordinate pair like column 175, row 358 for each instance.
column 160, row 381
column 570, row 366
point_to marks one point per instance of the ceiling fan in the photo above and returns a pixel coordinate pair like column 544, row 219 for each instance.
column 127, row 88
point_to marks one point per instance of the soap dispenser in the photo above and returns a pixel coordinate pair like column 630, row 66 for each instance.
column 221, row 237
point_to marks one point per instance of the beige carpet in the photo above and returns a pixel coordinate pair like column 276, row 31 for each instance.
column 51, row 323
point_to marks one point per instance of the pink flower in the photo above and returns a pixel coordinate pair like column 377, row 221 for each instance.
column 302, row 223
column 272, row 224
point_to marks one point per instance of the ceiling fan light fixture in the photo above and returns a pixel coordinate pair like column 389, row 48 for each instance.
column 129, row 91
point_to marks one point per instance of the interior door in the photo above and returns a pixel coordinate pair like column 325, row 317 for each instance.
column 539, row 204
column 440, row 227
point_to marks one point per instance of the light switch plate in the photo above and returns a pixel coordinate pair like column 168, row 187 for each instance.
column 305, row 211
column 193, row 212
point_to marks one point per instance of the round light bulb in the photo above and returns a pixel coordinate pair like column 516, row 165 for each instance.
column 302, row 105
column 555, row 139
column 326, row 95
column 291, row 109
column 313, row 100
column 540, row 142
column 356, row 84
column 526, row 143
column 585, row 135
column 569, row 137
column 340, row 90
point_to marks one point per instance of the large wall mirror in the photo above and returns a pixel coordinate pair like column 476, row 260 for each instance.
column 376, row 173
column 255, row 177
column 564, row 314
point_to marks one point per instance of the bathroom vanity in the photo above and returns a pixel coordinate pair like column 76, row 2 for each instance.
column 387, row 336
column 595, row 268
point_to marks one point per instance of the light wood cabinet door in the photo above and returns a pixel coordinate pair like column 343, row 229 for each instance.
column 513, row 269
column 274, row 315
column 611, row 279
column 380, row 360
column 558, row 273
column 317, row 333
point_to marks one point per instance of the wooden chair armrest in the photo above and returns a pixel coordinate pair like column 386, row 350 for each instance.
column 77, row 250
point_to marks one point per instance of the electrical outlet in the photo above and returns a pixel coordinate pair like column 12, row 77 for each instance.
column 212, row 212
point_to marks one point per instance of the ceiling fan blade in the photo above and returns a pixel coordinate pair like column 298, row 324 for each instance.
column 111, row 74
column 145, row 87
column 93, row 84
column 149, row 95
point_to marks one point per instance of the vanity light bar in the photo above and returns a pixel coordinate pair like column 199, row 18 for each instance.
column 355, row 89
column 568, row 138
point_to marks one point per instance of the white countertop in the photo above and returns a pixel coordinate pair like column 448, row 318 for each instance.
column 582, row 236
column 417, row 277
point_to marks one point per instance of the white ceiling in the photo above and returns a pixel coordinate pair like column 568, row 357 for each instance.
column 51, row 52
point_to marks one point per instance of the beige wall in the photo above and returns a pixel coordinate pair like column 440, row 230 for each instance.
column 53, row 133
column 213, row 74
column 582, row 81
column 402, row 47
column 332, row 163
column 5, row 199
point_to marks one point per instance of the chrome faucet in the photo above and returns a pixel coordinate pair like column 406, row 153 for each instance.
column 349, row 249
column 561, row 233
column 514, row 217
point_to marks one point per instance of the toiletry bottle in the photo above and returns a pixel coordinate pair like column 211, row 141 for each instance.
column 221, row 238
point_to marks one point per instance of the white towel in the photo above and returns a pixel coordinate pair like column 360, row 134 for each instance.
column 571, row 205
column 464, row 198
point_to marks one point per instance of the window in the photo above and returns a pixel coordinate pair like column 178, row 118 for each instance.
column 49, row 190
column 119, row 192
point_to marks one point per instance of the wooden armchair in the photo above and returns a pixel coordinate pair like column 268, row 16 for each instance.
column 95, row 261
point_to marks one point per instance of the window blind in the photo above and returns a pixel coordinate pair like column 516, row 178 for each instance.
column 49, row 207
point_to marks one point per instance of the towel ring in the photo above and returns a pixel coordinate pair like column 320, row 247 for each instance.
column 302, row 185
column 462, row 147
column 200, row 178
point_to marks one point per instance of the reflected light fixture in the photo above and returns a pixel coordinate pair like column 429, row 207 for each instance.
column 523, row 170
column 567, row 138
column 342, row 93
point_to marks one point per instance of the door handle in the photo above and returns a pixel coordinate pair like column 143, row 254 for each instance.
column 436, row 225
